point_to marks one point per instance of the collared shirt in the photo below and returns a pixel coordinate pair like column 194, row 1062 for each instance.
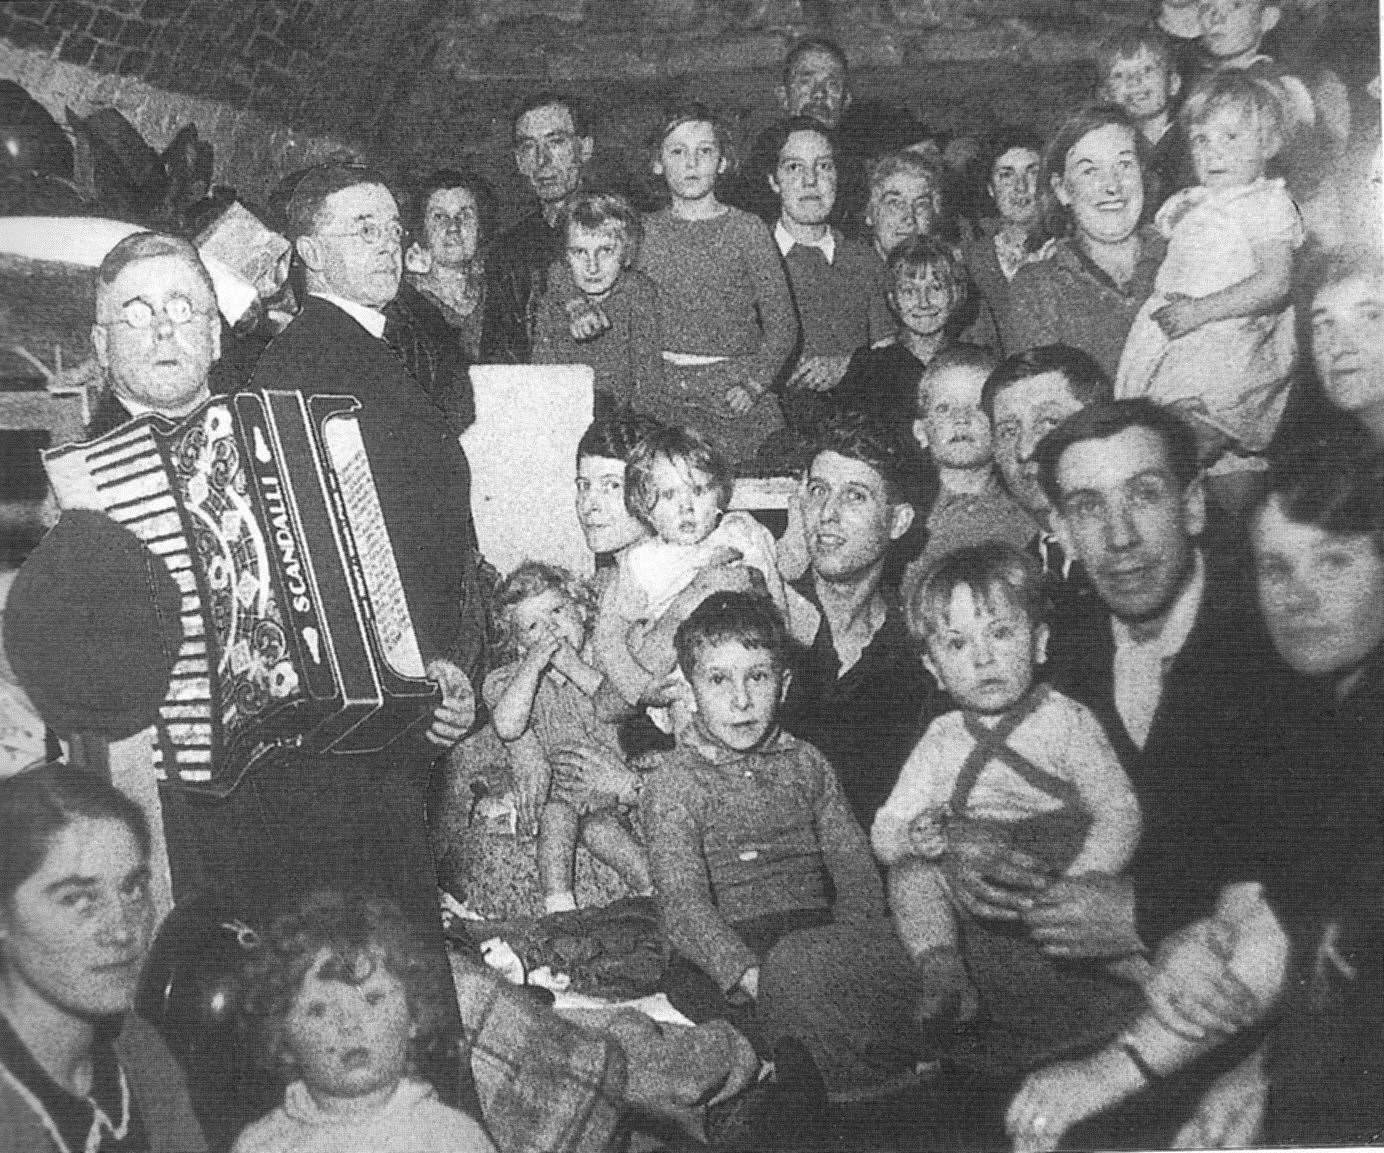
column 104, row 1121
column 1140, row 662
column 786, row 241
column 135, row 408
column 734, row 835
column 370, row 319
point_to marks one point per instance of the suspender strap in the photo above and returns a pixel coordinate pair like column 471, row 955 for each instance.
column 992, row 744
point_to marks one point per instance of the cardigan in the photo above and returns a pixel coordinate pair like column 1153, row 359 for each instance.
column 1067, row 299
column 738, row 835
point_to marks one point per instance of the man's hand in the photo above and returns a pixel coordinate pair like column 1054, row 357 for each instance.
column 991, row 880
column 1086, row 916
column 1179, row 316
column 819, row 373
column 1231, row 1113
column 453, row 718
column 739, row 399
column 1191, row 991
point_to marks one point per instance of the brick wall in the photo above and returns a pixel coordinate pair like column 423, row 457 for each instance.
column 413, row 84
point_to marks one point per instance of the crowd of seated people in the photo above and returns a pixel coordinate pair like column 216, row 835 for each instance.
column 1033, row 772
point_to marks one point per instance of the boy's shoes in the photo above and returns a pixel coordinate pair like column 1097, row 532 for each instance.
column 783, row 1111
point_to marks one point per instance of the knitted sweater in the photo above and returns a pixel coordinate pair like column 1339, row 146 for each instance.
column 841, row 305
column 722, row 291
column 1066, row 299
column 411, row 1120
column 626, row 357
column 739, row 835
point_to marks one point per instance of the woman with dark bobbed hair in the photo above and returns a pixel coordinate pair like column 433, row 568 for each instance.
column 77, row 1069
column 1014, row 236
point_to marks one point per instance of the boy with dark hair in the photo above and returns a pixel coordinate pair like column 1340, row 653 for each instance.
column 750, row 838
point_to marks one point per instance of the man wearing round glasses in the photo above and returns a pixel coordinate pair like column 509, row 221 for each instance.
column 551, row 150
column 157, row 331
column 346, row 228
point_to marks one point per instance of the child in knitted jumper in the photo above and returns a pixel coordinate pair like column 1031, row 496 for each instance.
column 725, row 311
column 678, row 484
column 750, row 838
column 1016, row 754
column 598, row 309
column 343, row 995
column 551, row 695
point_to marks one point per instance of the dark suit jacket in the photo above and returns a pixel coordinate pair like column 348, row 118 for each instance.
column 516, row 276
column 1224, row 708
column 420, row 470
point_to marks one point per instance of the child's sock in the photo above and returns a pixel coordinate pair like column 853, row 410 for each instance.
column 559, row 903
column 944, row 991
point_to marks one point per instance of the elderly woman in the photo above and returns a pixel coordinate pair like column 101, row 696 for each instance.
column 1014, row 236
column 905, row 200
column 1101, row 269
column 1318, row 544
column 78, row 1071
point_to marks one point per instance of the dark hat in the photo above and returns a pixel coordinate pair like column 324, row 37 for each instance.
column 92, row 628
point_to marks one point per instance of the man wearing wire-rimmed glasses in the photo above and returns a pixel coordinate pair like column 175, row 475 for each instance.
column 157, row 331
column 552, row 147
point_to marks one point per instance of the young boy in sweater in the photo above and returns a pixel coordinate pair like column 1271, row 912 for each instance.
column 749, row 836
column 972, row 505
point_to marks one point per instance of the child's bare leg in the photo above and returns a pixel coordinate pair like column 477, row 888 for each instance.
column 613, row 844
column 557, row 842
column 926, row 925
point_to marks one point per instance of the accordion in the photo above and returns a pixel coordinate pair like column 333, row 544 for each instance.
column 296, row 636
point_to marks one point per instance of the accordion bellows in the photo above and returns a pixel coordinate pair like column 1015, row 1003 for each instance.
column 296, row 636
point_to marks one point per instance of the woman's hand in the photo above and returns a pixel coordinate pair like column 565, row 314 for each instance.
column 739, row 399
column 990, row 879
column 1191, row 991
column 584, row 772
column 1179, row 316
column 453, row 718
column 1230, row 1113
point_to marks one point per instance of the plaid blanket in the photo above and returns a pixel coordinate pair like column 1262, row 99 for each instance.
column 546, row 1085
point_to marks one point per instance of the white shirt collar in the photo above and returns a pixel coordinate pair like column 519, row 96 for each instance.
column 135, row 408
column 786, row 240
column 370, row 319
column 1177, row 625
